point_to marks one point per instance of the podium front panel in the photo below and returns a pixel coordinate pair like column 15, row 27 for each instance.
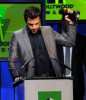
column 53, row 89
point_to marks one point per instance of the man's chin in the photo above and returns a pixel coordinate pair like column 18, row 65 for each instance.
column 34, row 32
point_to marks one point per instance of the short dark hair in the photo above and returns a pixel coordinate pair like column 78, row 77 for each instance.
column 32, row 12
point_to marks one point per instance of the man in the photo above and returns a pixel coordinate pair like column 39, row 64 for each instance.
column 78, row 63
column 37, row 45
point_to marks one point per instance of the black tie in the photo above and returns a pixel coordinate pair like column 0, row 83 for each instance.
column 37, row 49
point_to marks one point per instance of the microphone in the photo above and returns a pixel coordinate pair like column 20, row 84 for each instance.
column 65, row 66
column 73, row 16
column 28, row 61
column 16, row 83
column 62, row 63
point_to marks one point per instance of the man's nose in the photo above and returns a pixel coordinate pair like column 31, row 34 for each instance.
column 34, row 26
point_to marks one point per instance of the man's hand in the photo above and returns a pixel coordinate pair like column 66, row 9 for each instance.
column 66, row 17
column 17, row 78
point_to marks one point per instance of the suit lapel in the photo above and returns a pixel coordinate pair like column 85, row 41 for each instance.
column 49, row 41
column 46, row 39
column 27, row 41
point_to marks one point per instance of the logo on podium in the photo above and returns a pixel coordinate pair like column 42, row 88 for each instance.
column 50, row 99
column 49, row 95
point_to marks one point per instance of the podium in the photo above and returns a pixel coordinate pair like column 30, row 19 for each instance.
column 44, row 89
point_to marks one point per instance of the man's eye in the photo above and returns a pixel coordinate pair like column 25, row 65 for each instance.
column 30, row 24
column 36, row 23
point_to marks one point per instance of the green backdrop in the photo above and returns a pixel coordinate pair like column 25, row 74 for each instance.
column 12, row 20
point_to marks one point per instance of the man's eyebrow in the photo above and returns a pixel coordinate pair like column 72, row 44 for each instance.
column 32, row 24
column 29, row 24
column 37, row 23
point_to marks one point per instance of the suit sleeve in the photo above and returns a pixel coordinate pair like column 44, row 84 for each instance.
column 66, row 39
column 12, row 59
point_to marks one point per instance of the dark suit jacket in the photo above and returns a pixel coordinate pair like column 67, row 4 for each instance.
column 20, row 47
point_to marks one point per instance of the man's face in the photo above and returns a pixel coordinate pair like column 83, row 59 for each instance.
column 33, row 24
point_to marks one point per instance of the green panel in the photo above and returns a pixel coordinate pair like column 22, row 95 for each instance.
column 49, row 95
column 52, row 10
column 65, row 1
column 12, row 20
column 46, row 2
column 56, row 2
column 2, row 16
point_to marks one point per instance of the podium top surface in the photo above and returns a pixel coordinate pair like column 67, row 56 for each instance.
column 39, row 78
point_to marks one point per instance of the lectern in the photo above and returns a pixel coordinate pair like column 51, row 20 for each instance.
column 44, row 89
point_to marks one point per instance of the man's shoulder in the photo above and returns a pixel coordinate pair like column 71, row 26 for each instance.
column 18, row 31
column 45, row 27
